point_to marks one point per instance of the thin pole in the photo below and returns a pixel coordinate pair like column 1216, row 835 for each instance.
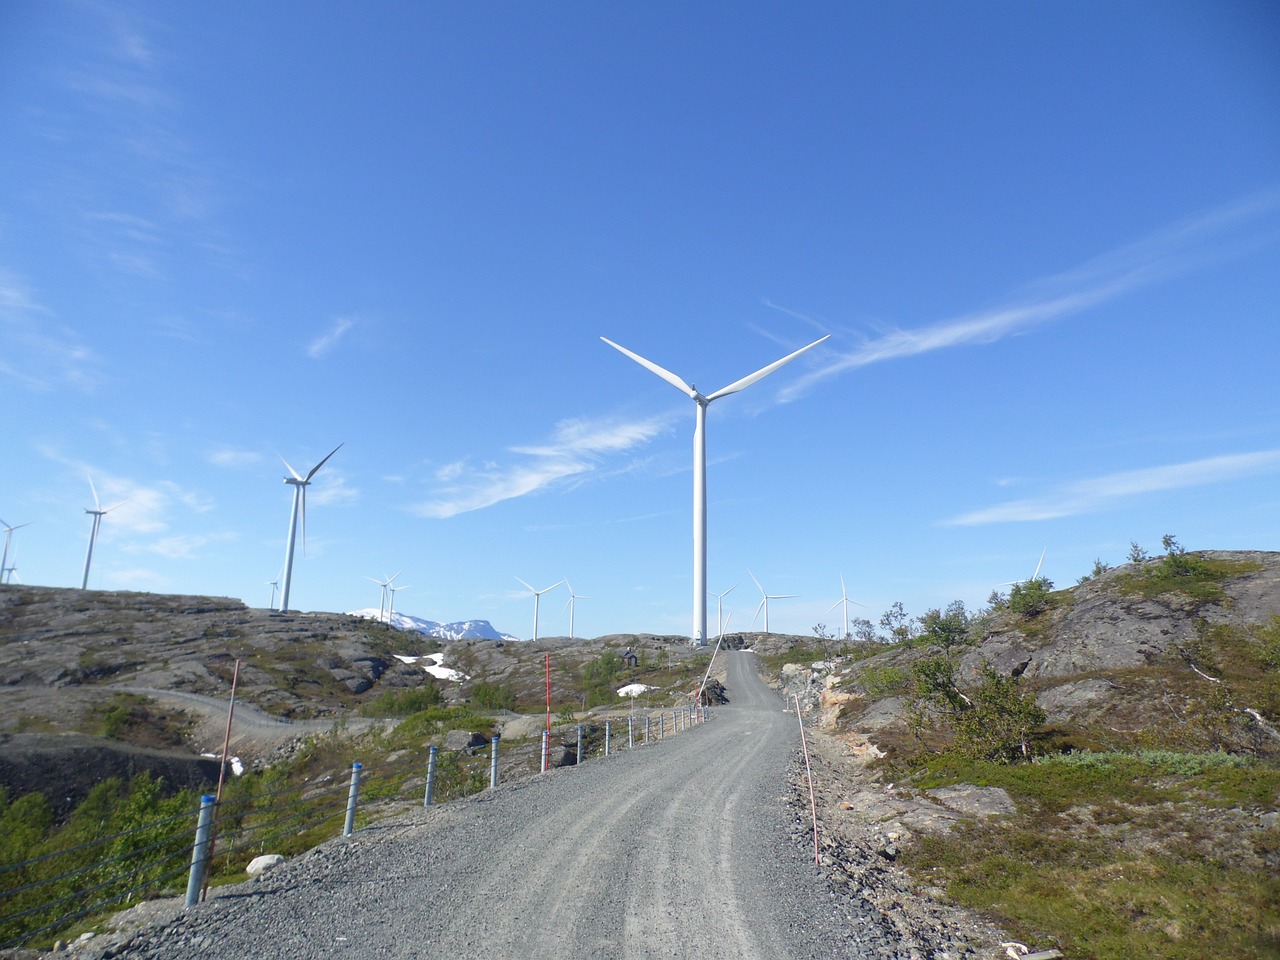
column 813, row 803
column 200, row 851
column 493, row 765
column 429, row 796
column 353, row 797
column 222, row 772
column 548, row 660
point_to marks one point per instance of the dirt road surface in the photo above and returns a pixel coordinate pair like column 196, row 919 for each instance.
column 679, row 849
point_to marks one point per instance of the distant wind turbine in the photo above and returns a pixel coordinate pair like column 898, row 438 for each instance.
column 537, row 595
column 299, row 484
column 573, row 597
column 8, row 535
column 764, row 602
column 720, row 607
column 700, row 466
column 386, row 586
column 97, row 513
column 391, row 605
column 273, row 584
column 844, row 599
column 1034, row 576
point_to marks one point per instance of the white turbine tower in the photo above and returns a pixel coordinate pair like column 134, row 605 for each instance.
column 299, row 484
column 391, row 605
column 97, row 513
column 764, row 602
column 700, row 467
column 386, row 586
column 537, row 596
column 844, row 599
column 8, row 535
column 720, row 608
column 573, row 598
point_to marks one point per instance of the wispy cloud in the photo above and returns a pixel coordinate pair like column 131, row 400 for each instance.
column 1088, row 496
column 35, row 349
column 328, row 340
column 331, row 487
column 576, row 448
column 232, row 458
column 1172, row 251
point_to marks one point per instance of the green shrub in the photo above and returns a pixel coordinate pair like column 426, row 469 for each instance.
column 403, row 703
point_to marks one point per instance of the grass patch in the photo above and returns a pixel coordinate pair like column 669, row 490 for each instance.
column 1118, row 855
column 1192, row 575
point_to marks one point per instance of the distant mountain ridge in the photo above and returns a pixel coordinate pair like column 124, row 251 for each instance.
column 459, row 630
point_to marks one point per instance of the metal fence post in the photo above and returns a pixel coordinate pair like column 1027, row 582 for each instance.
column 648, row 725
column 200, row 851
column 546, row 750
column 578, row 758
column 631, row 733
column 493, row 765
column 431, row 778
column 353, row 797
column 608, row 731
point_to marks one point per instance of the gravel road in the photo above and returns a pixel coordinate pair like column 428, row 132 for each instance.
column 680, row 849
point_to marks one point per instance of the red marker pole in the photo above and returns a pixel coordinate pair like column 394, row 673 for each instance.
column 548, row 693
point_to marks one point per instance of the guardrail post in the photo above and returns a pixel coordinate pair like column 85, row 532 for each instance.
column 546, row 750
column 353, row 797
column 608, row 731
column 578, row 758
column 675, row 721
column 200, row 851
column 431, row 778
column 493, row 765
column 631, row 733
column 648, row 725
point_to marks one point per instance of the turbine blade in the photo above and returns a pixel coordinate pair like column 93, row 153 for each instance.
column 322, row 462
column 753, row 577
column 531, row 590
column 836, row 604
column 296, row 474
column 758, row 609
column 761, row 373
column 652, row 367
column 552, row 587
column 783, row 596
column 1040, row 564
column 97, row 504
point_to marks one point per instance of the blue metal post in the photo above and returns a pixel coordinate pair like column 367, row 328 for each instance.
column 608, row 731
column 200, row 851
column 431, row 778
column 353, row 797
column 631, row 733
column 546, row 750
column 493, row 765
column 578, row 755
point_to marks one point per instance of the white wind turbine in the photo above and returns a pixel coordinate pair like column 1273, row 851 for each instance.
column 299, row 484
column 97, row 513
column 573, row 598
column 386, row 586
column 273, row 584
column 700, row 467
column 844, row 599
column 1034, row 576
column 764, row 602
column 8, row 535
column 537, row 596
column 720, row 608
column 391, row 604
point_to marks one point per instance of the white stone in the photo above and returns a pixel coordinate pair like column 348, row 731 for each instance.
column 260, row 865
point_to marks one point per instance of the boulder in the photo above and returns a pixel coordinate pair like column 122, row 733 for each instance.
column 260, row 865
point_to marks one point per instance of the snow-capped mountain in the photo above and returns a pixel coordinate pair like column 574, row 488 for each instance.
column 461, row 630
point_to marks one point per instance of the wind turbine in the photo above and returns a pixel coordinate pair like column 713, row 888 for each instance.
column 700, row 466
column 391, row 605
column 8, row 535
column 299, row 484
column 273, row 584
column 720, row 607
column 572, row 598
column 844, row 599
column 385, row 585
column 1034, row 576
column 764, row 602
column 97, row 513
column 537, row 595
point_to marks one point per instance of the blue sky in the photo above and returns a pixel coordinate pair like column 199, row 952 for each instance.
column 1044, row 240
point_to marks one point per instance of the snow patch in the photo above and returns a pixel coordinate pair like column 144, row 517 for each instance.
column 634, row 689
column 433, row 663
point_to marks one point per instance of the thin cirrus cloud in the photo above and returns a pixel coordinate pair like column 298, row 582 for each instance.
column 322, row 344
column 1098, row 493
column 574, row 450
column 1174, row 250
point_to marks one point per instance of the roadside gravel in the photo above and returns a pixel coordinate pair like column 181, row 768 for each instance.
column 690, row 847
